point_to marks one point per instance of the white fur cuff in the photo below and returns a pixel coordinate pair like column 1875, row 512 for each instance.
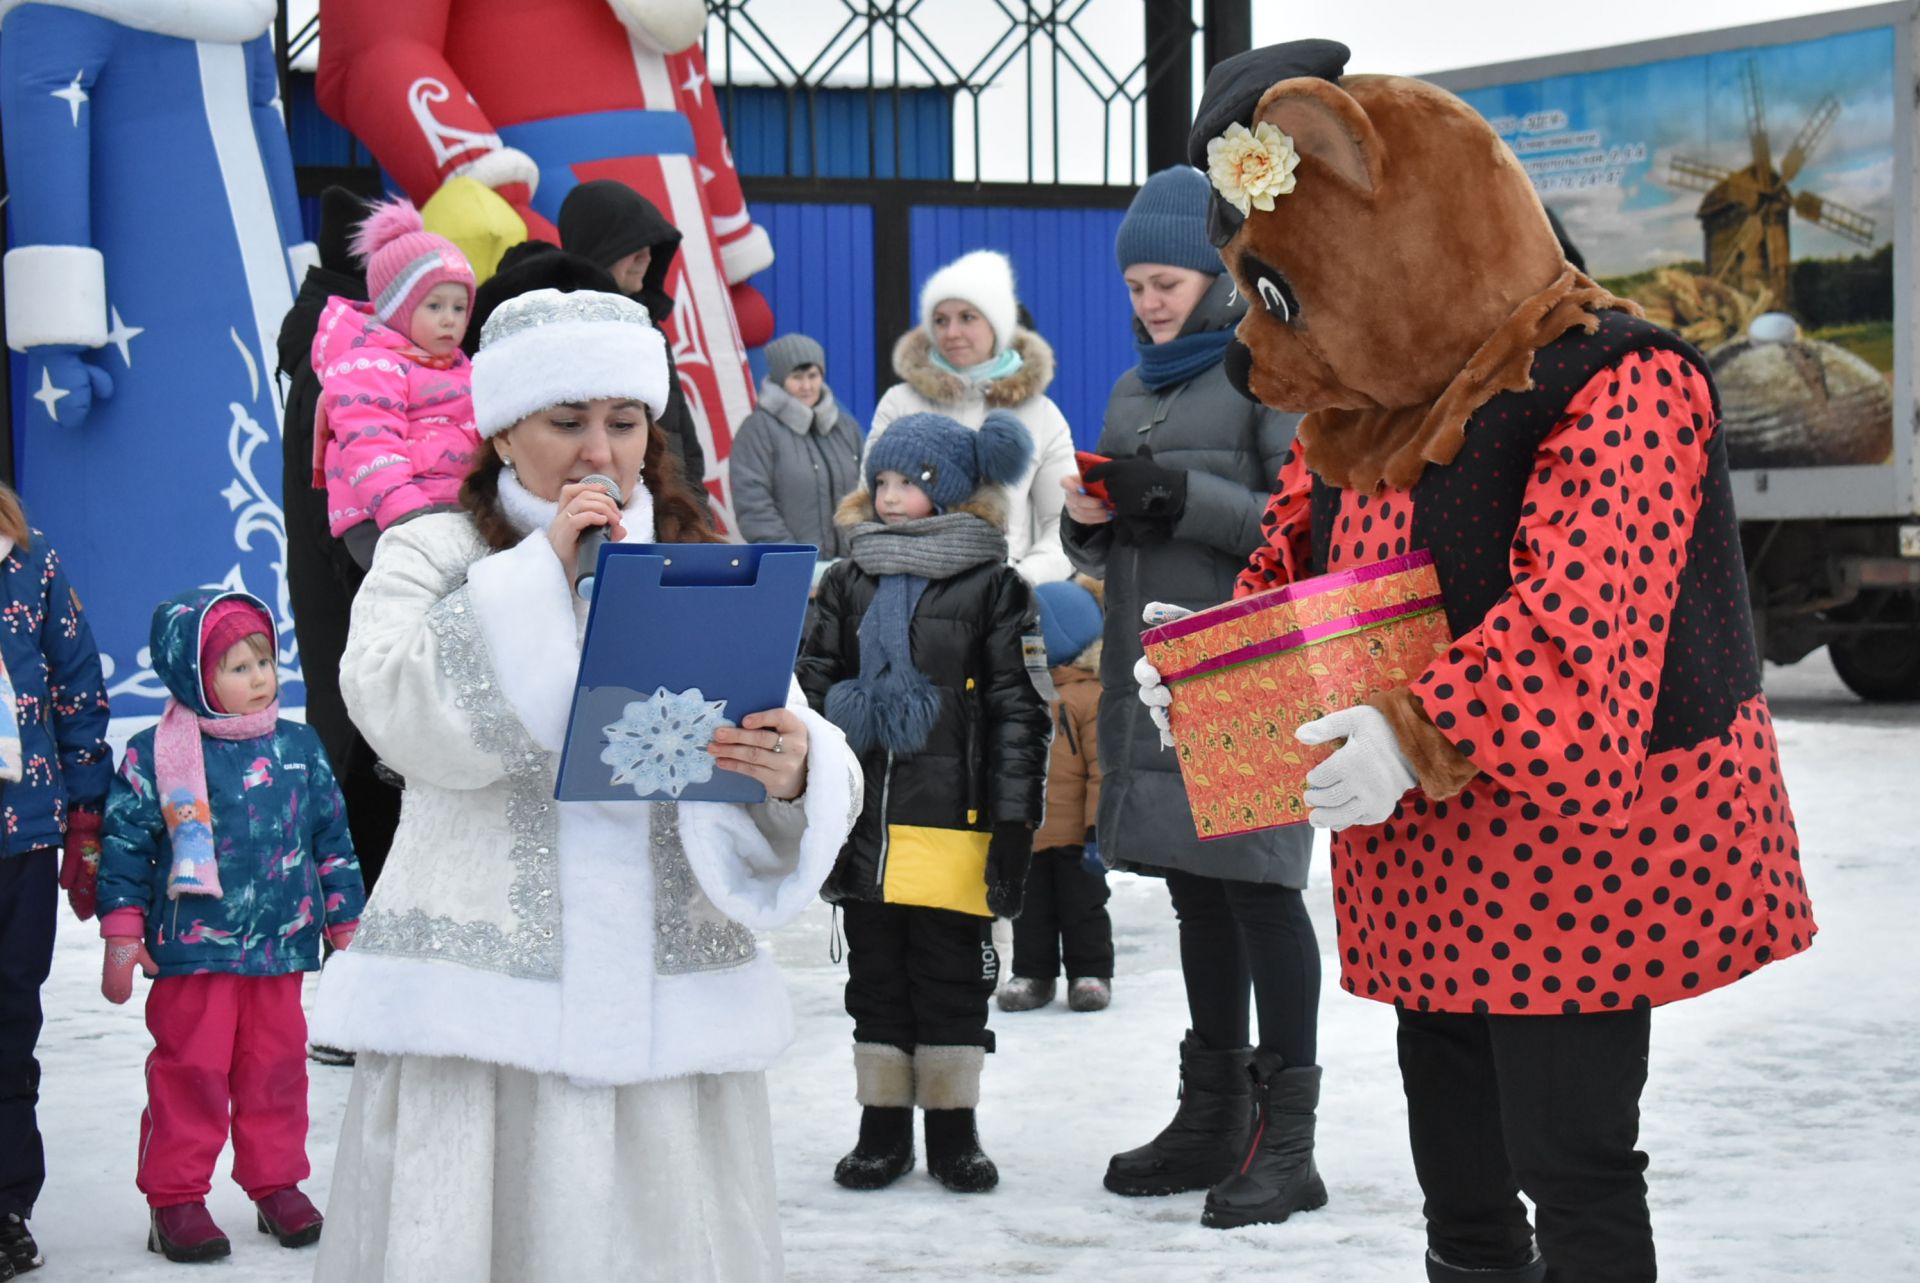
column 501, row 166
column 56, row 294
column 742, row 258
column 544, row 366
column 525, row 611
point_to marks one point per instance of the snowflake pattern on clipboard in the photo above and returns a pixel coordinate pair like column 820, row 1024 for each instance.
column 659, row 745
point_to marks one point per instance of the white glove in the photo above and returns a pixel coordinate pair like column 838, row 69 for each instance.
column 1153, row 692
column 1364, row 779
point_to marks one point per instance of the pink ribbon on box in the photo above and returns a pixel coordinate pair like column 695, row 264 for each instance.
column 1308, row 636
column 1216, row 615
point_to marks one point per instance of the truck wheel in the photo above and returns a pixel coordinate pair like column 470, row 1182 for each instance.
column 1882, row 666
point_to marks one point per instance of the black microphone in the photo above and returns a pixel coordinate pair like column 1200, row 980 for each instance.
column 586, row 556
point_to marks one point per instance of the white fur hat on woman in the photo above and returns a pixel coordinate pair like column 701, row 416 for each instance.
column 983, row 278
column 548, row 347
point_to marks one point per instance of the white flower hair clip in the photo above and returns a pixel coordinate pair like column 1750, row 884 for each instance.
column 1250, row 167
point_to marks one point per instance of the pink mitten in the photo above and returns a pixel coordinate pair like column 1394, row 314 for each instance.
column 116, row 977
column 340, row 934
column 80, row 863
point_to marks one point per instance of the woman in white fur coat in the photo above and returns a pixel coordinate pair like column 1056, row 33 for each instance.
column 559, row 1009
column 970, row 355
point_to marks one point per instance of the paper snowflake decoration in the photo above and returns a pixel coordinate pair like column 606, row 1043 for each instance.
column 659, row 745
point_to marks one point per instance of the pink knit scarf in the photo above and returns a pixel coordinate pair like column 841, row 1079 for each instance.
column 180, row 773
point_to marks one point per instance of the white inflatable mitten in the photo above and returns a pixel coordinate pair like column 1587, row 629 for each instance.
column 1365, row 778
column 1153, row 692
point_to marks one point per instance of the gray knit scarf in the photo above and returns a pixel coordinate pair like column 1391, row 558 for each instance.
column 892, row 705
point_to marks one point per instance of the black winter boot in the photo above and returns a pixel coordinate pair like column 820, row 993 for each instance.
column 884, row 1152
column 953, row 1152
column 1277, row 1177
column 1208, row 1134
column 1438, row 1271
column 883, row 1084
column 946, row 1083
column 18, row 1252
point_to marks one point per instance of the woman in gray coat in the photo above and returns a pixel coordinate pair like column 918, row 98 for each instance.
column 797, row 455
column 1192, row 466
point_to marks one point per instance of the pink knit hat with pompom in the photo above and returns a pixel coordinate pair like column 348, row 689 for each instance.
column 404, row 261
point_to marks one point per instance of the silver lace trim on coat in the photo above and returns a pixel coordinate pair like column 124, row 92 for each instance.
column 689, row 934
column 532, row 949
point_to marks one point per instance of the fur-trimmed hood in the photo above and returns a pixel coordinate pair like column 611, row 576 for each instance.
column 989, row 503
column 913, row 362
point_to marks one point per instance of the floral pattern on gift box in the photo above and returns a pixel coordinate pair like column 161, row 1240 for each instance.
column 1311, row 603
column 1233, row 723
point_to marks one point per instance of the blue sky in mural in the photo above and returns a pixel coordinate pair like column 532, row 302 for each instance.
column 1599, row 144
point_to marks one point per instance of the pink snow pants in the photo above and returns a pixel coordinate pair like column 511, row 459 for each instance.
column 224, row 1047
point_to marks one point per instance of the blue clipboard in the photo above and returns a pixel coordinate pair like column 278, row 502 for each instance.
column 678, row 635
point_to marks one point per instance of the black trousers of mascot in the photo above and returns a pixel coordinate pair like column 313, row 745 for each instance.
column 29, row 903
column 1545, row 1105
column 919, row 977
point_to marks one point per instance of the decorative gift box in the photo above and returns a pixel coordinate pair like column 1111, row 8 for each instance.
column 1246, row 673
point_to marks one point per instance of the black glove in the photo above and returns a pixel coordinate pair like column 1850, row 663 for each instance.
column 1147, row 498
column 1009, row 853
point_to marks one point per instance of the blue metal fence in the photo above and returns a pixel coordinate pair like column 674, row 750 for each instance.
column 821, row 284
column 774, row 132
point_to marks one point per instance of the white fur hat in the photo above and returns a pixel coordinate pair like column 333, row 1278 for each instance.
column 548, row 347
column 983, row 278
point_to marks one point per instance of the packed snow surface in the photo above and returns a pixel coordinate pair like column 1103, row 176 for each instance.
column 1781, row 1116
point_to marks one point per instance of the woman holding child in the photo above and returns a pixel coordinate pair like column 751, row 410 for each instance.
column 542, row 1087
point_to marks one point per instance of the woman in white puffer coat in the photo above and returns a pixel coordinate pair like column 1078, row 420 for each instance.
column 560, row 1011
column 969, row 355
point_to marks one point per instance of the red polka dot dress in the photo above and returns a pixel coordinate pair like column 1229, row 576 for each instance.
column 1629, row 839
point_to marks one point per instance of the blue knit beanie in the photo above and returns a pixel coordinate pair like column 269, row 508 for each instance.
column 946, row 460
column 1167, row 223
column 1069, row 620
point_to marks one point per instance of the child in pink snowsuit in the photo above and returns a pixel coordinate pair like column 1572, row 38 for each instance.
column 394, row 434
column 225, row 860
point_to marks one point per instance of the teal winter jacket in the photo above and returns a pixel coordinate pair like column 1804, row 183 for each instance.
column 287, row 868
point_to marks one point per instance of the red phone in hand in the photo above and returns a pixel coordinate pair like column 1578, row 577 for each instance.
column 1086, row 460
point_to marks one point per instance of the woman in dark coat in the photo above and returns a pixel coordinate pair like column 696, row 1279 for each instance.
column 797, row 455
column 1193, row 465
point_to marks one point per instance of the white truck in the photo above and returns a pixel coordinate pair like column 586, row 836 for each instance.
column 1754, row 189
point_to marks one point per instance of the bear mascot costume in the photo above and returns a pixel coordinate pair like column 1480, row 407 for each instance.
column 1576, row 814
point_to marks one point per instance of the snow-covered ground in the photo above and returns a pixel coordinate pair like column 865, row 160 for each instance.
column 1782, row 1115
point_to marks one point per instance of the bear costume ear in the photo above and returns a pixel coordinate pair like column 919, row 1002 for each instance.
column 1002, row 447
column 1327, row 125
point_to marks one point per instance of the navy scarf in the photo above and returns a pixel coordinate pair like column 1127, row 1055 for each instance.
column 1164, row 364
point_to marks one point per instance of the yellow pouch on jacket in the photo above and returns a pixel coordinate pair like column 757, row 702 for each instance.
column 937, row 869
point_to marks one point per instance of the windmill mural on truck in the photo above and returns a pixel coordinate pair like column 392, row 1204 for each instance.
column 1746, row 213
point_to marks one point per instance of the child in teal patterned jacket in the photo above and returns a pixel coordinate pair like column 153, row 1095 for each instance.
column 226, row 861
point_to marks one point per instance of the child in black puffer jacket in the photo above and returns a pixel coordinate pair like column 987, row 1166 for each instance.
column 921, row 650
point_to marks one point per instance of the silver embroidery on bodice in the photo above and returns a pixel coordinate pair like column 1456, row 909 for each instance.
column 689, row 934
column 532, row 949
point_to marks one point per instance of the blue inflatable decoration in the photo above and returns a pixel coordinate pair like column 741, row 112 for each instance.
column 152, row 228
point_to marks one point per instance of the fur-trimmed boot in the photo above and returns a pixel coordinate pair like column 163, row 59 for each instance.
column 1208, row 1134
column 883, row 1084
column 1277, row 1177
column 1438, row 1271
column 947, row 1083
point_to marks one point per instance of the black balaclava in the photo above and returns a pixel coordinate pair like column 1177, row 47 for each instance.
column 605, row 220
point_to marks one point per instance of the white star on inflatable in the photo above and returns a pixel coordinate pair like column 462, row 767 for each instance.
column 122, row 334
column 693, row 83
column 73, row 95
column 49, row 395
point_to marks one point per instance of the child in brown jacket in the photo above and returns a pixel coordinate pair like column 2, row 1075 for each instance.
column 1065, row 919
